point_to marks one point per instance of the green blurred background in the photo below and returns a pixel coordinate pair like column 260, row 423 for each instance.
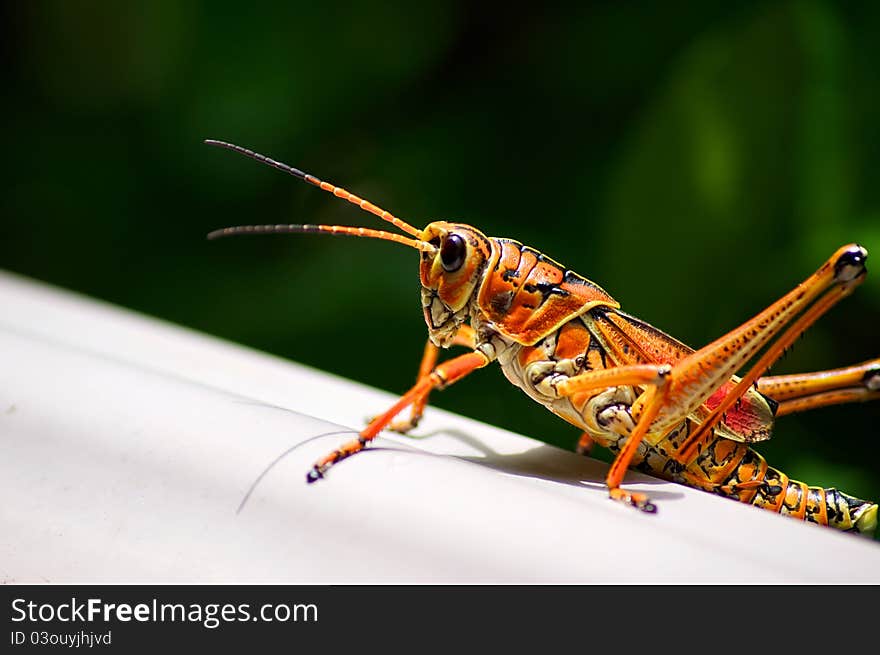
column 695, row 159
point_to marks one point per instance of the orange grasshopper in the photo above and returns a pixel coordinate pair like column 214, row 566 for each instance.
column 673, row 412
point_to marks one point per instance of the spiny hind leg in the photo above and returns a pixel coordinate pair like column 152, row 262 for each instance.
column 464, row 337
column 703, row 372
column 805, row 391
column 672, row 395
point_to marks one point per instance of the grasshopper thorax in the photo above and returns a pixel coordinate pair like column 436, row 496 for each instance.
column 450, row 275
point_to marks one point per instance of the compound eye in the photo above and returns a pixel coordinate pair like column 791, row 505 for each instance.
column 452, row 253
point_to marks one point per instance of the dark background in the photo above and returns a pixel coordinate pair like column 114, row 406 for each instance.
column 695, row 160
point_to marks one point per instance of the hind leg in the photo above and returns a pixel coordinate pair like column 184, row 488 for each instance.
column 805, row 391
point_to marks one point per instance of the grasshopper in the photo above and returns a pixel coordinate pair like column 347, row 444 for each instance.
column 680, row 414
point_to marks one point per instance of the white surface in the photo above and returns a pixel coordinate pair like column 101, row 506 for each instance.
column 128, row 445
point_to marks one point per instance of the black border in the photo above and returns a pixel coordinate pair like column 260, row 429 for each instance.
column 547, row 618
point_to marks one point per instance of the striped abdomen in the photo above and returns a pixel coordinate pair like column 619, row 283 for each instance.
column 734, row 470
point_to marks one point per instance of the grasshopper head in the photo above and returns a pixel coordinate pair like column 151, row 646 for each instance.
column 450, row 273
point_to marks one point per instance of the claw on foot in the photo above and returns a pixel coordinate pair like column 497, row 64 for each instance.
column 347, row 450
column 634, row 499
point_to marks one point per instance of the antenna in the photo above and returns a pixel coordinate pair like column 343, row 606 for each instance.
column 339, row 192
column 327, row 229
